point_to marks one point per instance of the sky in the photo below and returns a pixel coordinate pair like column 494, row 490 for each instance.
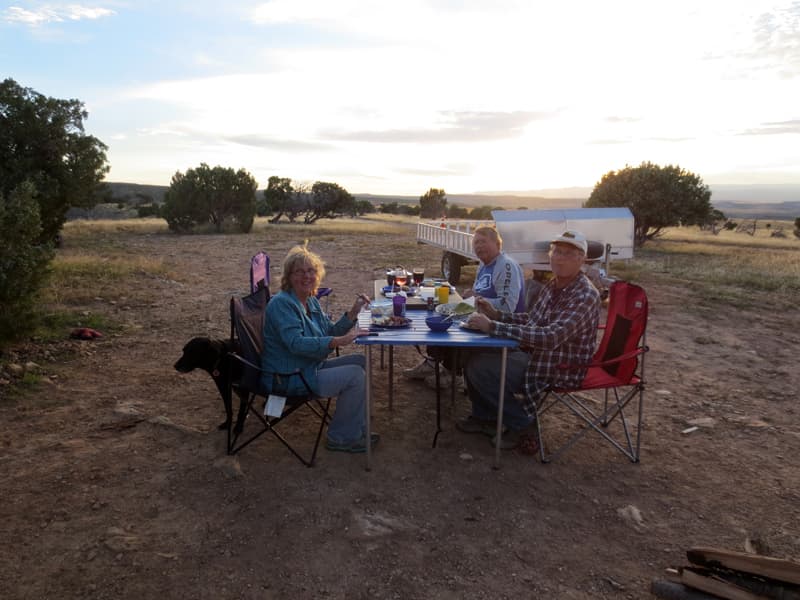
column 397, row 97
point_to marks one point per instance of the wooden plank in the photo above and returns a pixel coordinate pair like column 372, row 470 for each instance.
column 765, row 566
column 715, row 586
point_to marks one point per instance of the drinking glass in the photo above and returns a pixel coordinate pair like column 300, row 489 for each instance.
column 390, row 277
column 419, row 276
column 401, row 277
column 443, row 293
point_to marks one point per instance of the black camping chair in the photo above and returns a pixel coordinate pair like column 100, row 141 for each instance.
column 247, row 322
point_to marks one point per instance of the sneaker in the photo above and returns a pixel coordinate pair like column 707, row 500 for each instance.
column 444, row 380
column 511, row 438
column 357, row 447
column 475, row 425
column 421, row 371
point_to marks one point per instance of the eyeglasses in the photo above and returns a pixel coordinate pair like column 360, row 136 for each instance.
column 309, row 272
column 564, row 252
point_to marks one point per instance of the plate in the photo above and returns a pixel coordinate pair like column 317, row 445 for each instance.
column 406, row 322
column 389, row 291
column 447, row 309
column 466, row 327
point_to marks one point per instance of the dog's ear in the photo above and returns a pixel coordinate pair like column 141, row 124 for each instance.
column 219, row 346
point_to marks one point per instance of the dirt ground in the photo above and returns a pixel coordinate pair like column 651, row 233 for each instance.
column 115, row 482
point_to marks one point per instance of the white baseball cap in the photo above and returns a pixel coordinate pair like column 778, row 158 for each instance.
column 573, row 238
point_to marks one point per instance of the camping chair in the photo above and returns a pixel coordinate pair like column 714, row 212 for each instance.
column 617, row 369
column 247, row 321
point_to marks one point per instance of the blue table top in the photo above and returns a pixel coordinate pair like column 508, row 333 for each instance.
column 419, row 333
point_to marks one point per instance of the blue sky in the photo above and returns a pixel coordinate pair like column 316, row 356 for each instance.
column 398, row 97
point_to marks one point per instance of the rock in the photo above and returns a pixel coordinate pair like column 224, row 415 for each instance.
column 702, row 422
column 15, row 369
column 31, row 366
column 632, row 516
column 465, row 456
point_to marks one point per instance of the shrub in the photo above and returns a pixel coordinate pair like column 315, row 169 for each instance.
column 23, row 261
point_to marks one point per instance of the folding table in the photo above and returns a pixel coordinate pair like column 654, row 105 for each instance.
column 418, row 334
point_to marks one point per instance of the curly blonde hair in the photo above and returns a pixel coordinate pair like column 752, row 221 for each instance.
column 298, row 257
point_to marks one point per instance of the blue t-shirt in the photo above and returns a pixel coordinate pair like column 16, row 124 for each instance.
column 501, row 282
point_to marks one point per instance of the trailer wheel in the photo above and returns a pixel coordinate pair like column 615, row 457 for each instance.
column 451, row 267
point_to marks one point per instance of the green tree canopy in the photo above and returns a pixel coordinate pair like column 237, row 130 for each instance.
column 658, row 197
column 433, row 204
column 42, row 141
column 328, row 200
column 205, row 195
column 282, row 198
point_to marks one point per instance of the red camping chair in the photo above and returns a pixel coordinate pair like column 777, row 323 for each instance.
column 617, row 369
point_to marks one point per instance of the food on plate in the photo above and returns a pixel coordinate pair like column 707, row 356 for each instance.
column 462, row 309
column 390, row 321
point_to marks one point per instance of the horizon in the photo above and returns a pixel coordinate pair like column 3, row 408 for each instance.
column 398, row 99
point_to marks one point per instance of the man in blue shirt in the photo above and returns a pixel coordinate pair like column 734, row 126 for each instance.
column 499, row 281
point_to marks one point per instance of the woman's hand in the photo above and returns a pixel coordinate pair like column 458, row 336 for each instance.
column 361, row 301
column 347, row 338
column 479, row 321
column 485, row 307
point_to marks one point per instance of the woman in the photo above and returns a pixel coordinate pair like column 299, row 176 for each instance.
column 299, row 336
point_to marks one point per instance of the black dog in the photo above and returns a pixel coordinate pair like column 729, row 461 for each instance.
column 213, row 356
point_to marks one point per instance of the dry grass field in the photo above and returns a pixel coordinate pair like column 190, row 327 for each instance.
column 116, row 483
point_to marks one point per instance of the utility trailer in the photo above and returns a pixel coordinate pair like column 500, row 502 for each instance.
column 527, row 233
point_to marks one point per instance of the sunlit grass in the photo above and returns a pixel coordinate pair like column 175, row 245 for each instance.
column 729, row 268
column 367, row 225
column 79, row 277
column 82, row 227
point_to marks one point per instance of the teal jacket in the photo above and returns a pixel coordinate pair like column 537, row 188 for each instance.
column 296, row 340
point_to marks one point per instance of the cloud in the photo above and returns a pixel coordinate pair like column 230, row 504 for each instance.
column 53, row 14
column 261, row 141
column 774, row 128
column 456, row 127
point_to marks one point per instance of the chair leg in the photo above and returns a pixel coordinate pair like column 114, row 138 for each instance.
column 597, row 422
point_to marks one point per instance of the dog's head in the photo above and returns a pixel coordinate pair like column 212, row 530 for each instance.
column 200, row 353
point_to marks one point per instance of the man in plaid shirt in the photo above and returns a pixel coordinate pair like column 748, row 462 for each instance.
column 561, row 328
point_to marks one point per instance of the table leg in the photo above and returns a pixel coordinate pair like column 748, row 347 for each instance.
column 454, row 355
column 500, row 402
column 438, row 407
column 367, row 404
column 391, row 377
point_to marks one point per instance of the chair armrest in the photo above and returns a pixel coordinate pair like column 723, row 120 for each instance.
column 604, row 363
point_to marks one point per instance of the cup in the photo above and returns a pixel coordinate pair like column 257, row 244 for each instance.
column 419, row 276
column 399, row 305
column 390, row 277
column 443, row 293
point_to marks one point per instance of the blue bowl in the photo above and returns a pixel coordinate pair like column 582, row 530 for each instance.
column 437, row 323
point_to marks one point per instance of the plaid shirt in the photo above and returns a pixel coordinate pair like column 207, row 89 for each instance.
column 560, row 329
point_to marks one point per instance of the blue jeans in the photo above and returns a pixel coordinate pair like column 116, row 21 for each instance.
column 482, row 375
column 345, row 378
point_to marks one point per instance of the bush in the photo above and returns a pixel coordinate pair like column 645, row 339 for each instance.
column 23, row 261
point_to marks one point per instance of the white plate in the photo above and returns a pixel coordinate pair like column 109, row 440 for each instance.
column 446, row 309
